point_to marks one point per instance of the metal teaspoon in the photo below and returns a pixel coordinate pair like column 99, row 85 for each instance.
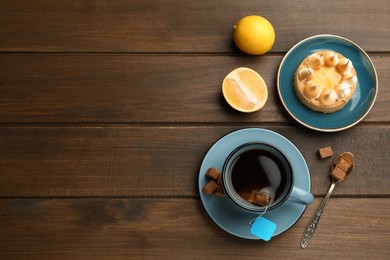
column 311, row 227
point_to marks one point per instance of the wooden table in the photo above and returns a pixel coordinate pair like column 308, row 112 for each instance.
column 107, row 109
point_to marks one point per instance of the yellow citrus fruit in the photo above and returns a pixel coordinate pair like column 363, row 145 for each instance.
column 254, row 35
column 245, row 90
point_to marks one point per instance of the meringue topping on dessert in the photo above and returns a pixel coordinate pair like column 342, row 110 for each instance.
column 325, row 81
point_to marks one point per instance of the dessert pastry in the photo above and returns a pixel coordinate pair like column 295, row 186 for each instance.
column 325, row 81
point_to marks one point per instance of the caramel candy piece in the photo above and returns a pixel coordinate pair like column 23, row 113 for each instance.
column 220, row 192
column 338, row 174
column 343, row 164
column 210, row 187
column 325, row 152
column 213, row 173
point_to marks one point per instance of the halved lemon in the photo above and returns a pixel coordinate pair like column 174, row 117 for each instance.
column 245, row 90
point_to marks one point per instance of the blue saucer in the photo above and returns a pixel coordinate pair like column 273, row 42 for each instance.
column 228, row 215
column 362, row 100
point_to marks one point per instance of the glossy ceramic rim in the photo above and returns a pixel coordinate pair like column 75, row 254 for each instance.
column 302, row 121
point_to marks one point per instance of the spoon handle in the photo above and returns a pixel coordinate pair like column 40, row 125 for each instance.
column 313, row 223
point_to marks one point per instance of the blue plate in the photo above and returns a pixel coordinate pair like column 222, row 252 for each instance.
column 224, row 212
column 362, row 100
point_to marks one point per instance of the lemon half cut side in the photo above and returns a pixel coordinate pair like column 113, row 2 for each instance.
column 245, row 90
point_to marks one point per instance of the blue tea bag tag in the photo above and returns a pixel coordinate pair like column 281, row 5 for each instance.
column 263, row 228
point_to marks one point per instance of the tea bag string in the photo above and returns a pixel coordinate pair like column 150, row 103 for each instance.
column 253, row 220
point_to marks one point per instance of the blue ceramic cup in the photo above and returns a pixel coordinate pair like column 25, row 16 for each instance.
column 244, row 165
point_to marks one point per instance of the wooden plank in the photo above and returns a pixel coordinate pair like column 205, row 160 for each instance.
column 181, row 26
column 167, row 229
column 50, row 161
column 129, row 88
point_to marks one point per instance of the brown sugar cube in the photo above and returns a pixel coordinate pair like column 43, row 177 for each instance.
column 338, row 173
column 252, row 197
column 219, row 181
column 213, row 173
column 220, row 192
column 245, row 195
column 210, row 187
column 325, row 152
column 343, row 164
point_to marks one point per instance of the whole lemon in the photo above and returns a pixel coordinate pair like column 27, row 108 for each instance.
column 254, row 35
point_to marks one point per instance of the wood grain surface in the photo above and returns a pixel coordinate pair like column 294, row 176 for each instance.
column 141, row 88
column 51, row 161
column 180, row 229
column 107, row 109
column 181, row 26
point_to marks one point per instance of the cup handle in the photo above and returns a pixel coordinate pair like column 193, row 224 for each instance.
column 300, row 196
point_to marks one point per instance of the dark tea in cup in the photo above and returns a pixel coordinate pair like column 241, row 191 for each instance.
column 260, row 171
column 257, row 176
